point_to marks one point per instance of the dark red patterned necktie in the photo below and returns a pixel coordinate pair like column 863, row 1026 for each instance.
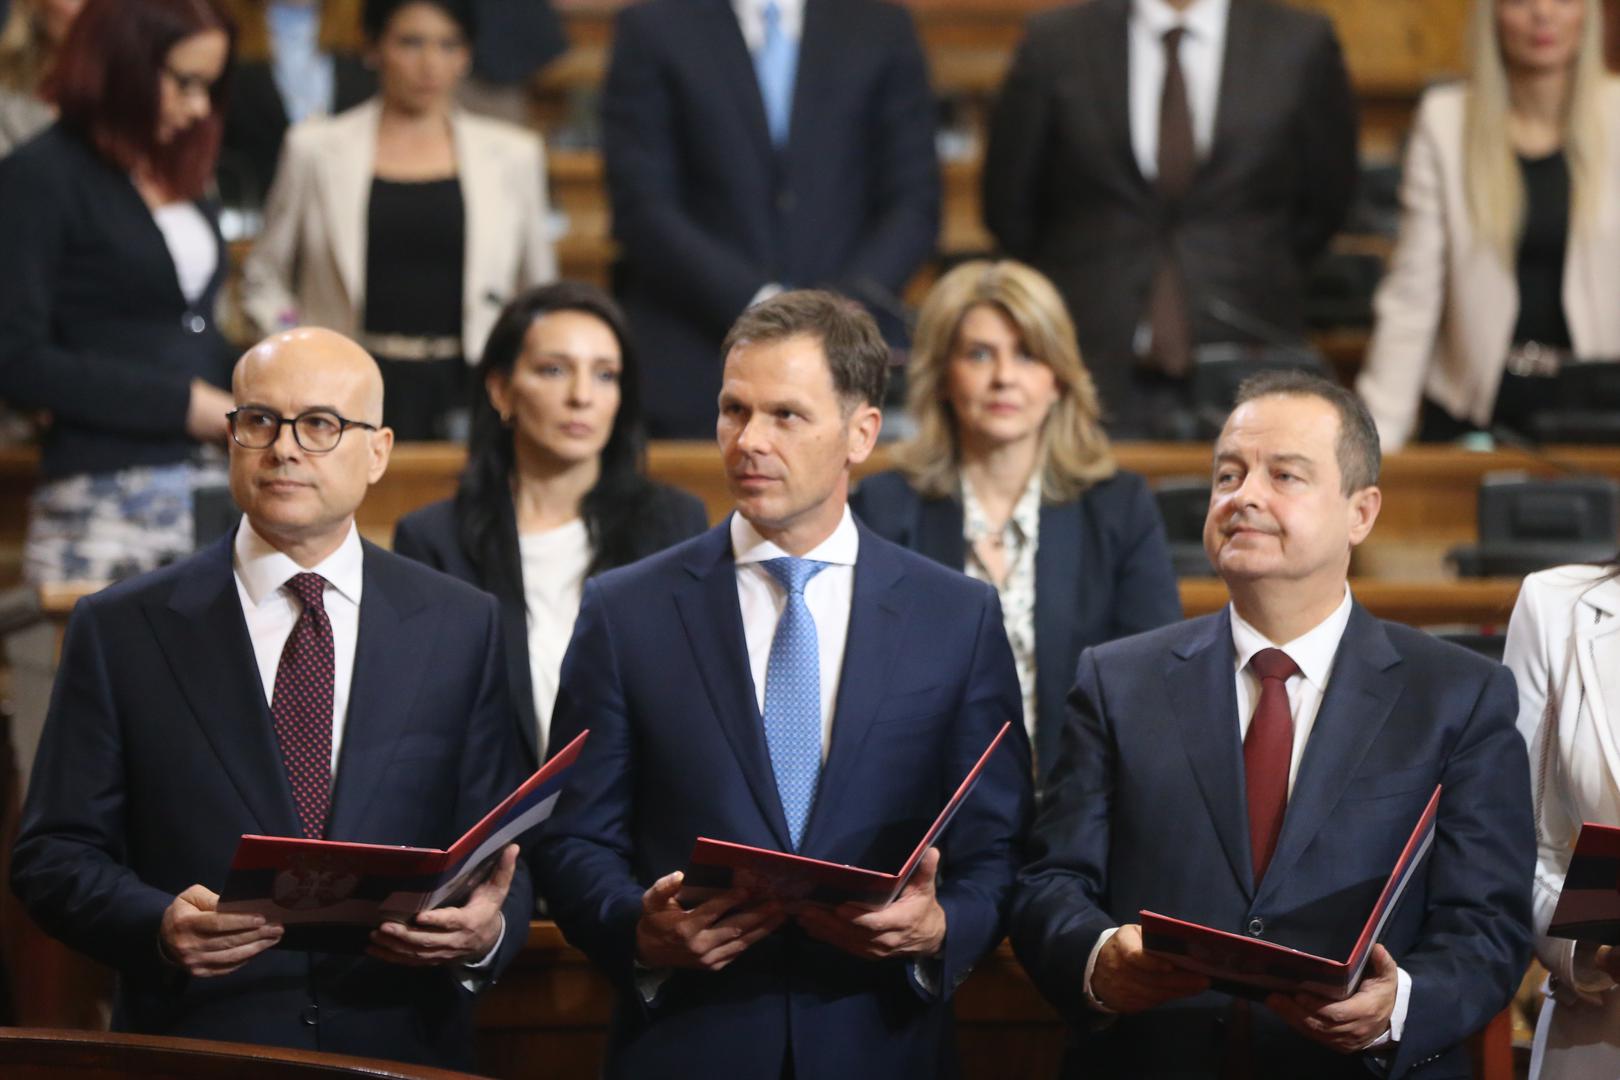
column 302, row 705
column 1268, row 750
column 1170, row 350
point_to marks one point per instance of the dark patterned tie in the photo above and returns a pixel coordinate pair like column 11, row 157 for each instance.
column 1171, row 348
column 302, row 705
column 1268, row 750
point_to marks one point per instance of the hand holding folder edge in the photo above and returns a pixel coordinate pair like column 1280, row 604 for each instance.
column 718, row 867
column 1238, row 963
column 339, row 886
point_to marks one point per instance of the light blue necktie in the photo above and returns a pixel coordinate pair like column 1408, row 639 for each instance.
column 793, row 695
column 776, row 63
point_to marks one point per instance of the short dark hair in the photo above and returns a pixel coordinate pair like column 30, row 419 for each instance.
column 857, row 356
column 1357, row 448
column 104, row 84
column 376, row 14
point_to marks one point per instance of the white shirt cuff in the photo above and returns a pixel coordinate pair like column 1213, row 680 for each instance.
column 474, row 976
column 1397, row 1015
column 1091, row 964
column 650, row 981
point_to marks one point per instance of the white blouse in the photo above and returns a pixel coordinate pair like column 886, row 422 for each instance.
column 1020, row 537
column 192, row 246
column 553, row 564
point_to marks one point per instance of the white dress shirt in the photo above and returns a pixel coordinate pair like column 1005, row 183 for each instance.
column 553, row 564
column 828, row 595
column 1313, row 653
column 271, row 612
column 1201, row 53
column 751, row 19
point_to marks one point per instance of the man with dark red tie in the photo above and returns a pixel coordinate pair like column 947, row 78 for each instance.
column 289, row 680
column 1259, row 771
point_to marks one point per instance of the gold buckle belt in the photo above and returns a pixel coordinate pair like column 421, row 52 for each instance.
column 411, row 347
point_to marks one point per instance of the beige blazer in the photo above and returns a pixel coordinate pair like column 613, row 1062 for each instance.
column 1446, row 308
column 307, row 266
column 1563, row 646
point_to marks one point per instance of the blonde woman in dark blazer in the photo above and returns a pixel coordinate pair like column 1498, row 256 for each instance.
column 1508, row 258
column 1563, row 646
column 449, row 206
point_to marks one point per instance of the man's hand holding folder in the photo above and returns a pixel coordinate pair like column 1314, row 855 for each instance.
column 454, row 934
column 1352, row 1024
column 912, row 926
column 708, row 936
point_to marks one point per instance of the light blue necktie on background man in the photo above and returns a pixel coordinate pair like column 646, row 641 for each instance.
column 793, row 695
column 776, row 64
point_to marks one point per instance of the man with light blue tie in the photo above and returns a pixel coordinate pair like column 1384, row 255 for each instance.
column 757, row 145
column 791, row 681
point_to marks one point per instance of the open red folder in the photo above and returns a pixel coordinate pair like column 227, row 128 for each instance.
column 1589, row 903
column 334, row 884
column 1245, row 962
column 718, row 866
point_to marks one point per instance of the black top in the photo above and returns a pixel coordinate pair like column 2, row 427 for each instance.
column 1541, row 251
column 93, row 326
column 416, row 240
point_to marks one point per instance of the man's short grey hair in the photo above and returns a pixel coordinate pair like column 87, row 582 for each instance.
column 1359, row 456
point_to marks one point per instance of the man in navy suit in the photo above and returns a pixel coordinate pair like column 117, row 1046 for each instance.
column 756, row 145
column 1259, row 771
column 791, row 681
column 289, row 680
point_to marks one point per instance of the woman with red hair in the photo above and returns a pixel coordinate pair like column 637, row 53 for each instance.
column 112, row 263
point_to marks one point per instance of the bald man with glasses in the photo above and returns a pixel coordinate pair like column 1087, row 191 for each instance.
column 289, row 680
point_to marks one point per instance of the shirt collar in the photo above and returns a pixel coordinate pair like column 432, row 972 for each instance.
column 1025, row 518
column 263, row 570
column 1313, row 650
column 839, row 549
column 1203, row 19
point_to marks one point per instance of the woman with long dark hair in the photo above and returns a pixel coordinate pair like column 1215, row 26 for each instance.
column 113, row 262
column 554, row 490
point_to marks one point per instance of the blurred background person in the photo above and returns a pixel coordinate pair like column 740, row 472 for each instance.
column 1564, row 651
column 1507, row 264
column 554, row 489
column 515, row 39
column 406, row 221
column 30, row 33
column 757, row 146
column 296, row 59
column 1011, row 478
column 113, row 264
column 1175, row 166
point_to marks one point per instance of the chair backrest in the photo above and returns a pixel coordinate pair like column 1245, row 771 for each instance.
column 1527, row 524
column 41, row 1054
column 1183, row 503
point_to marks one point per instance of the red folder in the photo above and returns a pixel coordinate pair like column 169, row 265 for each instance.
column 718, row 866
column 1248, row 962
column 334, row 884
column 1589, row 903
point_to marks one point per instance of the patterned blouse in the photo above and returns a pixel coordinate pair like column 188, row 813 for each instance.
column 1019, row 537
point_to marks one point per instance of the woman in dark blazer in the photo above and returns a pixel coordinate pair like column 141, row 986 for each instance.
column 554, row 490
column 112, row 264
column 1011, row 478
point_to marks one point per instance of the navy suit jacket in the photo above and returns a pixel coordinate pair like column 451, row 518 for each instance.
column 431, row 535
column 1146, row 809
column 158, row 754
column 658, row 671
column 706, row 210
column 1102, row 571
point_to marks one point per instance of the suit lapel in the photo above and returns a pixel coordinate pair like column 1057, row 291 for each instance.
column 1202, row 688
column 486, row 235
column 1362, row 689
column 818, row 61
column 515, row 633
column 392, row 652
column 713, row 623
column 1239, row 86
column 1110, row 62
column 346, row 178
column 202, row 632
column 939, row 532
column 1060, row 556
column 734, row 70
column 1597, row 660
column 875, row 633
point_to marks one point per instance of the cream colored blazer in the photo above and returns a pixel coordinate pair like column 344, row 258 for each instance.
column 1447, row 306
column 307, row 266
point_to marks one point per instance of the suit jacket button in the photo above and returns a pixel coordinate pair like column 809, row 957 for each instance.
column 195, row 323
column 310, row 1015
column 1257, row 926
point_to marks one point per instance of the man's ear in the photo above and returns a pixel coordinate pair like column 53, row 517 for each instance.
column 864, row 424
column 1364, row 507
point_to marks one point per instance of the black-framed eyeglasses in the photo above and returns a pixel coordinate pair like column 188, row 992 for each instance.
column 316, row 431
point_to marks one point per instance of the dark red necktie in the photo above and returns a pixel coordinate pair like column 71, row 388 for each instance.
column 302, row 705
column 1170, row 350
column 1268, row 749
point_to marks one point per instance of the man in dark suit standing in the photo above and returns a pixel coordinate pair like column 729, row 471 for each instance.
column 791, row 681
column 289, row 680
column 1174, row 166
column 1259, row 770
column 757, row 145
